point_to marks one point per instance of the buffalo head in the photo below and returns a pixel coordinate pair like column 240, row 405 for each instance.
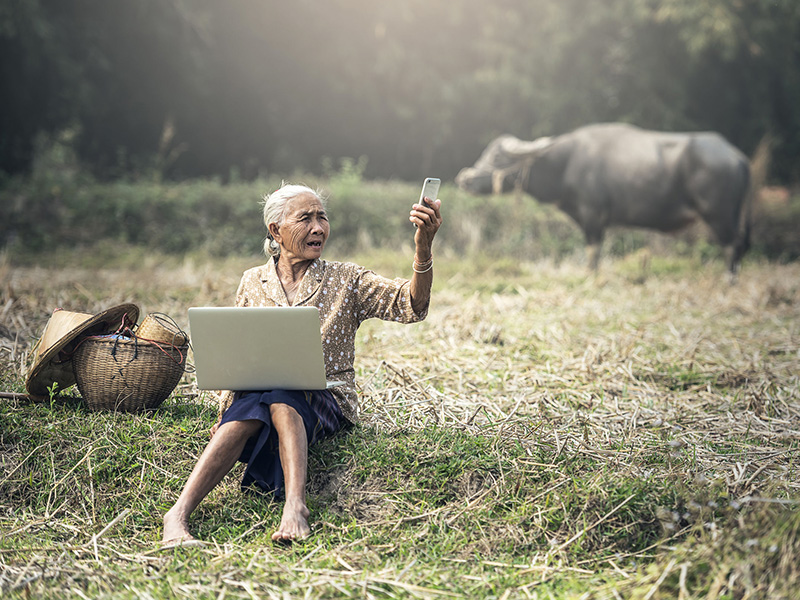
column 497, row 167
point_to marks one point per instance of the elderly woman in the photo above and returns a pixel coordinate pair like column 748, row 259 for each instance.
column 271, row 430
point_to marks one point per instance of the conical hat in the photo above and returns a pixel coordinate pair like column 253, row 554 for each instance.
column 52, row 358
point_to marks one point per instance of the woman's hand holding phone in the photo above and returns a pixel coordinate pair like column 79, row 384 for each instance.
column 430, row 190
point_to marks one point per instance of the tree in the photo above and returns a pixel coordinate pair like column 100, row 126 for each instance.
column 185, row 88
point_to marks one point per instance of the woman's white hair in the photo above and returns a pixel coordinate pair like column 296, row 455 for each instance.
column 275, row 210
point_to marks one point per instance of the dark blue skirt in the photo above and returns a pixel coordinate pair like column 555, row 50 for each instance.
column 321, row 416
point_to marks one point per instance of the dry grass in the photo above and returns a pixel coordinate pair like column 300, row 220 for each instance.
column 654, row 376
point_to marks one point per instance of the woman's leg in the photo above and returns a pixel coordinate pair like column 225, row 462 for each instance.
column 216, row 461
column 293, row 449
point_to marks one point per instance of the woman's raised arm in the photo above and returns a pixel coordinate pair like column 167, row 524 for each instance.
column 427, row 217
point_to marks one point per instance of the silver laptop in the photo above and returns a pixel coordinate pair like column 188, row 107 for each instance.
column 258, row 348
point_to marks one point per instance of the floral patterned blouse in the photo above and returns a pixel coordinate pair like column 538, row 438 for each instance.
column 346, row 295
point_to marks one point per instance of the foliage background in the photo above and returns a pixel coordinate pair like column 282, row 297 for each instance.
column 249, row 88
column 57, row 216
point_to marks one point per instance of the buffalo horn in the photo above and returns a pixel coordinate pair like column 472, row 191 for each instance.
column 519, row 149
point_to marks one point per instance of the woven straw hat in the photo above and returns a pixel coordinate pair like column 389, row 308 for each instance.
column 158, row 327
column 52, row 358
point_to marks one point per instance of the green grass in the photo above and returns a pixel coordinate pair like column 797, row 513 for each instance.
column 543, row 433
column 446, row 503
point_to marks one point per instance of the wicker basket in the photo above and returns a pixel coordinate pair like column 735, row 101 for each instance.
column 158, row 327
column 126, row 374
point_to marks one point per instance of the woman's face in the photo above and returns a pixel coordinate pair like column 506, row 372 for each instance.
column 305, row 228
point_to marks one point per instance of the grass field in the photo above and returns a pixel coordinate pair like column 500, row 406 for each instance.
column 543, row 434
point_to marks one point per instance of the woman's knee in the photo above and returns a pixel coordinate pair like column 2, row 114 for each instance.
column 284, row 411
column 245, row 429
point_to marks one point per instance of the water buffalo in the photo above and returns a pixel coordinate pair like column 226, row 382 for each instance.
column 619, row 175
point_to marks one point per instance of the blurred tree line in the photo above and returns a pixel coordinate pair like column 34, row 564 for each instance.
column 246, row 88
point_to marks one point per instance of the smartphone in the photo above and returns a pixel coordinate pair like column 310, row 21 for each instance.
column 430, row 189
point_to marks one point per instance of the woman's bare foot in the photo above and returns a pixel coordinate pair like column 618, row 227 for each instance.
column 294, row 522
column 176, row 531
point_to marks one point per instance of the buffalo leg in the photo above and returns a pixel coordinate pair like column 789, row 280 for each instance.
column 593, row 254
column 594, row 242
column 735, row 244
column 733, row 258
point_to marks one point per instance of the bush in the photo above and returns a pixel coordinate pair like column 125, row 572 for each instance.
column 63, row 209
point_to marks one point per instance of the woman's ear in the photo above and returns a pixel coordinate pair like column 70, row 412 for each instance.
column 273, row 231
